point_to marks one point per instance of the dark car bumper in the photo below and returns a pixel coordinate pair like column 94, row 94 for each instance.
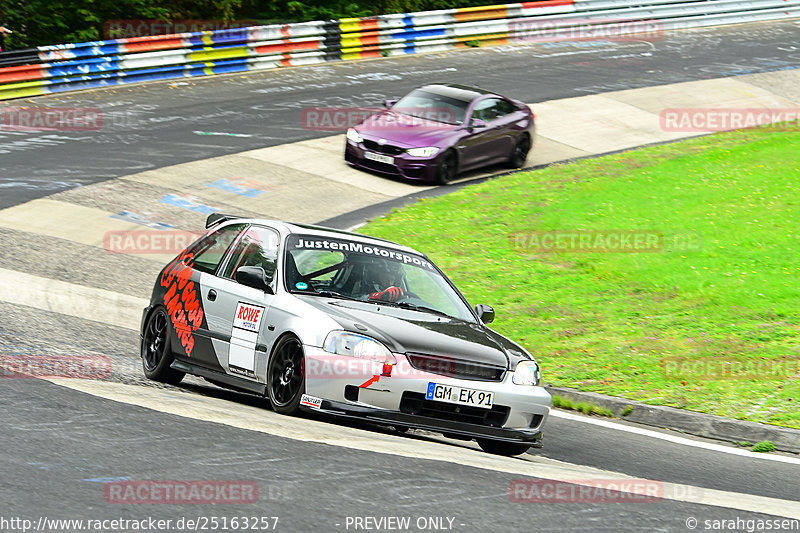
column 533, row 437
column 405, row 166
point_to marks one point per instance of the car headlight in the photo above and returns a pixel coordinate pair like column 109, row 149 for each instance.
column 354, row 136
column 356, row 345
column 427, row 151
column 526, row 373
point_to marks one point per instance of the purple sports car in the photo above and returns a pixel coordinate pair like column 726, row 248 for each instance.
column 437, row 131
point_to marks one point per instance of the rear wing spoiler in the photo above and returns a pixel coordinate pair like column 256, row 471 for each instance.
column 215, row 219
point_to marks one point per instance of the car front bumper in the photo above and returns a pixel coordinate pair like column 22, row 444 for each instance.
column 383, row 416
column 405, row 166
column 353, row 388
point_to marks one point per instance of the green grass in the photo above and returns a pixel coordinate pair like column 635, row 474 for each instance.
column 621, row 323
column 764, row 446
column 583, row 407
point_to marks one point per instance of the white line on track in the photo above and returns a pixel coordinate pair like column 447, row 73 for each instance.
column 70, row 299
column 674, row 438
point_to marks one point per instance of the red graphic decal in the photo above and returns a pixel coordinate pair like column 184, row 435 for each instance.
column 370, row 381
column 181, row 300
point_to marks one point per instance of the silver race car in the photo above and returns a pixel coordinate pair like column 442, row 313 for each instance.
column 340, row 323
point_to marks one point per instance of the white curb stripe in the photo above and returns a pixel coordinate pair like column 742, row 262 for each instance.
column 674, row 438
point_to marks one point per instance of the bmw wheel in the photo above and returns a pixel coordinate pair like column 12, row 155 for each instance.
column 286, row 380
column 520, row 152
column 156, row 353
column 447, row 168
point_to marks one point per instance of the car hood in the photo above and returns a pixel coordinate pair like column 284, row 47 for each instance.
column 402, row 130
column 403, row 331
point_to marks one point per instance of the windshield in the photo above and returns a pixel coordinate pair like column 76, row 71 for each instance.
column 352, row 270
column 432, row 106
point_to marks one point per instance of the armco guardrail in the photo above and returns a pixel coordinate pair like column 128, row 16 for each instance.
column 68, row 67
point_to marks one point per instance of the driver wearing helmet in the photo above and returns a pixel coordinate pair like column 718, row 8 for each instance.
column 385, row 280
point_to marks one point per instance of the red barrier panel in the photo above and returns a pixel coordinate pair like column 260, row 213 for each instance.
column 22, row 73
column 287, row 47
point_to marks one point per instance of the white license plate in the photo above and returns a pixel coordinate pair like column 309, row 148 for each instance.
column 459, row 395
column 380, row 158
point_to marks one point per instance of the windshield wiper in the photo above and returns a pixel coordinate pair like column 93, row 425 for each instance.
column 334, row 294
column 421, row 308
column 327, row 294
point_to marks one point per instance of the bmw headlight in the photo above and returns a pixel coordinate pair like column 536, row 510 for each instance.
column 526, row 373
column 356, row 345
column 354, row 136
column 427, row 151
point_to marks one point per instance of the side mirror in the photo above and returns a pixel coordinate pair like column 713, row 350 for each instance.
column 255, row 277
column 389, row 103
column 477, row 124
column 485, row 313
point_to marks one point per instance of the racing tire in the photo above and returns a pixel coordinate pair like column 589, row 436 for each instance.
column 519, row 154
column 498, row 447
column 156, row 353
column 286, row 376
column 448, row 168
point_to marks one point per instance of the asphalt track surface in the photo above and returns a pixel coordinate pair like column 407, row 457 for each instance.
column 60, row 446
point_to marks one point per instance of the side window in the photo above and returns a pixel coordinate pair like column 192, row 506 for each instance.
column 503, row 108
column 492, row 108
column 210, row 250
column 257, row 247
column 483, row 110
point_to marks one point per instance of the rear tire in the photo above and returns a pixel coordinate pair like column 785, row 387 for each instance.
column 286, row 376
column 156, row 353
column 448, row 168
column 498, row 447
column 519, row 154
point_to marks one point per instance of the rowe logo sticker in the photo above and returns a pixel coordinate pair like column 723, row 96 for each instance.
column 248, row 317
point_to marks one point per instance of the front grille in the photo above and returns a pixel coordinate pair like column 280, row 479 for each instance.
column 456, row 368
column 378, row 166
column 414, row 403
column 387, row 149
column 371, row 165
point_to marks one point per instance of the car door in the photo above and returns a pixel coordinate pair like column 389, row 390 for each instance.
column 183, row 282
column 504, row 119
column 482, row 143
column 236, row 313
